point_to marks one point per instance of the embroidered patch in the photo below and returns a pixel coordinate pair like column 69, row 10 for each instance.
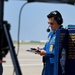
column 51, row 48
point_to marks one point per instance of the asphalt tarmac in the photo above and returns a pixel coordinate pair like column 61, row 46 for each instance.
column 30, row 63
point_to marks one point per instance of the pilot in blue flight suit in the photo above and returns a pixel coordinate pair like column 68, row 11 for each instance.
column 55, row 21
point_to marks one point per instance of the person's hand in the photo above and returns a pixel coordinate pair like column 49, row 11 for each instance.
column 40, row 52
column 37, row 47
column 37, row 50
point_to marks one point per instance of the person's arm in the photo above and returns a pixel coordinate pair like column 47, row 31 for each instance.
column 49, row 54
column 45, row 53
column 42, row 52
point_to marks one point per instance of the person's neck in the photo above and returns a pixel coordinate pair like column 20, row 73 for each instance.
column 60, row 26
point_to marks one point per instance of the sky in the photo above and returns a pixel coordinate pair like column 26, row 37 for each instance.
column 33, row 22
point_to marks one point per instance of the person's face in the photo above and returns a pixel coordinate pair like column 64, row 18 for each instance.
column 53, row 24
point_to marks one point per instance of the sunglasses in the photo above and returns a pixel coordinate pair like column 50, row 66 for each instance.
column 51, row 23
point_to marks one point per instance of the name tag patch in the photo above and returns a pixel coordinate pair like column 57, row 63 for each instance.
column 51, row 48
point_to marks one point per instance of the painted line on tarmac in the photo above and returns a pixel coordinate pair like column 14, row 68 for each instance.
column 23, row 59
column 23, row 65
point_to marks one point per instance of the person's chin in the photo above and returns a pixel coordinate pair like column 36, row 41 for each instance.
column 52, row 28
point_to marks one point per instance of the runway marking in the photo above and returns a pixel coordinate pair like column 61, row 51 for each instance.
column 23, row 59
column 23, row 65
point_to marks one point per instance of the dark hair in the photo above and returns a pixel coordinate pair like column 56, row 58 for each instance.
column 57, row 16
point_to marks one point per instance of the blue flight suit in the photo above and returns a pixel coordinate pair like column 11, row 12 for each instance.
column 49, row 57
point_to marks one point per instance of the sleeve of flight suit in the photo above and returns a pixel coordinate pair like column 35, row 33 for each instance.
column 48, row 54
